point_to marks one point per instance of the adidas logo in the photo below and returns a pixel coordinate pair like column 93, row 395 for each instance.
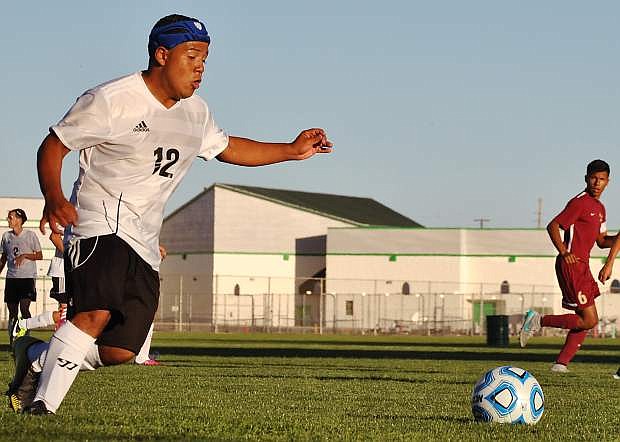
column 141, row 127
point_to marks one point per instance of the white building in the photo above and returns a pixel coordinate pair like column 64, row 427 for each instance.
column 262, row 244
column 423, row 276
column 298, row 258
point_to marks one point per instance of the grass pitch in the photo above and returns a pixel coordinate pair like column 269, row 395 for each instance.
column 308, row 387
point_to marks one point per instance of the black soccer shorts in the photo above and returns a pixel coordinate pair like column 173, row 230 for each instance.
column 105, row 273
column 16, row 289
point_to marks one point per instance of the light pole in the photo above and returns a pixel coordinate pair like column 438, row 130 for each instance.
column 304, row 306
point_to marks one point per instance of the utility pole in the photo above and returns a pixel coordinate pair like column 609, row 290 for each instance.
column 482, row 221
column 539, row 213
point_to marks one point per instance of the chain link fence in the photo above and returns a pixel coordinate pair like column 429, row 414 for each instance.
column 224, row 303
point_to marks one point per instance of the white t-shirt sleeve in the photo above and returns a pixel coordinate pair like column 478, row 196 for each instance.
column 87, row 123
column 214, row 139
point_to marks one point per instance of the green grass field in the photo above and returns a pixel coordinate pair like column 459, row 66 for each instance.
column 308, row 387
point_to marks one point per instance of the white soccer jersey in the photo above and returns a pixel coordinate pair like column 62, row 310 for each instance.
column 133, row 154
column 14, row 245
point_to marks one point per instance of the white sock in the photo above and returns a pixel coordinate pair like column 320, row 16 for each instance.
column 143, row 354
column 92, row 360
column 38, row 352
column 42, row 320
column 67, row 349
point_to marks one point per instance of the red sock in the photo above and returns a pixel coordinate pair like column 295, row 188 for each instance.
column 572, row 344
column 560, row 321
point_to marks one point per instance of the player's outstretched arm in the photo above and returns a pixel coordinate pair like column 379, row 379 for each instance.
column 247, row 152
column 57, row 210
column 607, row 269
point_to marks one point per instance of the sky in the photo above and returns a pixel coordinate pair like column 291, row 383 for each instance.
column 445, row 111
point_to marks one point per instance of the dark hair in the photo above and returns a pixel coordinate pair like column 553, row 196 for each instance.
column 597, row 166
column 172, row 18
column 168, row 19
column 20, row 214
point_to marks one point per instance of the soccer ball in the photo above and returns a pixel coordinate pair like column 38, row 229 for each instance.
column 508, row 395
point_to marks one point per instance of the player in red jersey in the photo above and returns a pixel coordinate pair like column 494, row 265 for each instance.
column 583, row 222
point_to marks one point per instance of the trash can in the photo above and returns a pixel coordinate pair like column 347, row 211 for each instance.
column 497, row 330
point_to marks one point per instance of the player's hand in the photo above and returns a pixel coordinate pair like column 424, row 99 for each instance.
column 569, row 258
column 19, row 260
column 58, row 213
column 605, row 272
column 310, row 142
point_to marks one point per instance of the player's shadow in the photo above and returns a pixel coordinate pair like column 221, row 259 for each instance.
column 403, row 343
column 507, row 355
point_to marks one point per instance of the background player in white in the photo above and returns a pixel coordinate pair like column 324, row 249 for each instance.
column 137, row 137
column 20, row 250
column 57, row 272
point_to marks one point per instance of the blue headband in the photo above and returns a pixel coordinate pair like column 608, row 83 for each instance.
column 173, row 34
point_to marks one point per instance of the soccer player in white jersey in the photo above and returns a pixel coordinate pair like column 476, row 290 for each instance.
column 137, row 137
column 20, row 249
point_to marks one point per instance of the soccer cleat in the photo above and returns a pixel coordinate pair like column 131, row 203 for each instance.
column 37, row 408
column 531, row 324
column 150, row 362
column 559, row 368
column 617, row 375
column 15, row 402
column 15, row 332
column 24, row 384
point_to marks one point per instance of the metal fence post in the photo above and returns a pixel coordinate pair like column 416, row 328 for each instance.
column 321, row 303
column 180, row 324
column 214, row 317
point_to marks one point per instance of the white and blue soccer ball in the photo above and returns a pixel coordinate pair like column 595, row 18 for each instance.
column 508, row 395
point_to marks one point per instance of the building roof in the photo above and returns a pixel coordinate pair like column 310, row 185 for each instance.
column 355, row 210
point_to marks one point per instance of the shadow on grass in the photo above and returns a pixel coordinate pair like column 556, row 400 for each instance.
column 591, row 345
column 357, row 353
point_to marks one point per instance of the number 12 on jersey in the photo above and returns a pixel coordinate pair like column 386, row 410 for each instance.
column 172, row 155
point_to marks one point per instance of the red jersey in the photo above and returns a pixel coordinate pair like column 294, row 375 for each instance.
column 582, row 220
